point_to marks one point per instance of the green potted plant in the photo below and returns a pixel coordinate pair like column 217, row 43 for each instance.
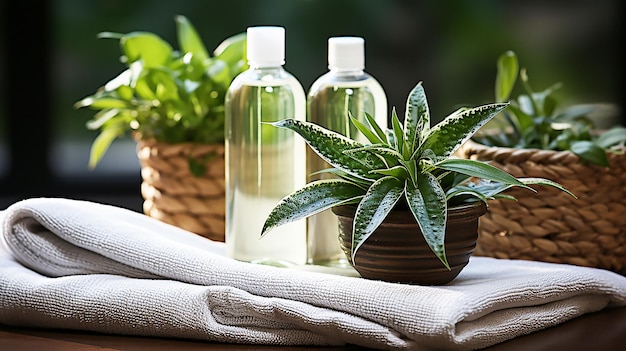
column 410, row 170
column 535, row 136
column 172, row 103
column 534, row 120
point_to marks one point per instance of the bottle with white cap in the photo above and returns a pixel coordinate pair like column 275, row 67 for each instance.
column 346, row 89
column 263, row 163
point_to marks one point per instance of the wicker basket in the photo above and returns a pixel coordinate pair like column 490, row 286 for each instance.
column 174, row 195
column 550, row 225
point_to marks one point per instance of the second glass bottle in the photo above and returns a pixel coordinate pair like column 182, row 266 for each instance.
column 345, row 89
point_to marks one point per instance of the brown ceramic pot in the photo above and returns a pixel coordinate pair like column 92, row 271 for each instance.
column 397, row 252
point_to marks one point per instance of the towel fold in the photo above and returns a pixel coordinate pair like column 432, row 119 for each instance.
column 89, row 266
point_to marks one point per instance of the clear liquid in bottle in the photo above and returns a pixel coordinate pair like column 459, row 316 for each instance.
column 345, row 89
column 263, row 163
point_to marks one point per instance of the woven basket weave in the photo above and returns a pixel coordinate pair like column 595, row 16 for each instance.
column 550, row 225
column 174, row 195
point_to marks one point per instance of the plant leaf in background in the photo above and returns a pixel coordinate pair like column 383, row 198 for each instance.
column 506, row 75
column 173, row 96
column 534, row 120
column 189, row 40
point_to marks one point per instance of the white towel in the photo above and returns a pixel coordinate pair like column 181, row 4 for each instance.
column 88, row 266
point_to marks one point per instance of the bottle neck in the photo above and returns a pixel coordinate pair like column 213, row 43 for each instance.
column 264, row 65
column 346, row 71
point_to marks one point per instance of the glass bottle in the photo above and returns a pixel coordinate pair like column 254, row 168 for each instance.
column 345, row 89
column 263, row 163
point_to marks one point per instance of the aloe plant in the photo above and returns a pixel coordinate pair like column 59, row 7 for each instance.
column 173, row 96
column 534, row 119
column 411, row 164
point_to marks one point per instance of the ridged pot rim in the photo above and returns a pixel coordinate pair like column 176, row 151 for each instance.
column 399, row 215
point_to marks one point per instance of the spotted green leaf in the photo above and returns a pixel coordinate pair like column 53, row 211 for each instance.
column 379, row 200
column 446, row 137
column 428, row 204
column 332, row 146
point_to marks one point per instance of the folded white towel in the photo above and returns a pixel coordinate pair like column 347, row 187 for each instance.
column 88, row 266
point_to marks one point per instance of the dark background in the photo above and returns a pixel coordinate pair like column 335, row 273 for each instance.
column 50, row 58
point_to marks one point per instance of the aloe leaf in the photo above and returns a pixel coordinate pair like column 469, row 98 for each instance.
column 546, row 182
column 428, row 204
column 478, row 169
column 313, row 198
column 493, row 189
column 461, row 194
column 398, row 133
column 457, row 111
column 345, row 176
column 505, row 197
column 377, row 148
column 364, row 129
column 488, row 188
column 465, row 192
column 426, row 154
column 379, row 131
column 452, row 179
column 390, row 156
column 411, row 168
column 399, row 172
column 508, row 69
column 417, row 118
column 189, row 40
column 448, row 135
column 379, row 200
column 332, row 147
column 365, row 183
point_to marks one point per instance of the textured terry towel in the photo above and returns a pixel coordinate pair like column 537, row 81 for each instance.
column 88, row 266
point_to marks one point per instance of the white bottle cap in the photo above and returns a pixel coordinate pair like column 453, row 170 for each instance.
column 266, row 46
column 346, row 53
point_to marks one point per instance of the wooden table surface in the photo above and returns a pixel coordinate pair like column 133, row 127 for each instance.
column 604, row 330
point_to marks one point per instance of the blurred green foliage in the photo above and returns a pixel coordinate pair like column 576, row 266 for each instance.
column 171, row 95
column 535, row 119
column 450, row 45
